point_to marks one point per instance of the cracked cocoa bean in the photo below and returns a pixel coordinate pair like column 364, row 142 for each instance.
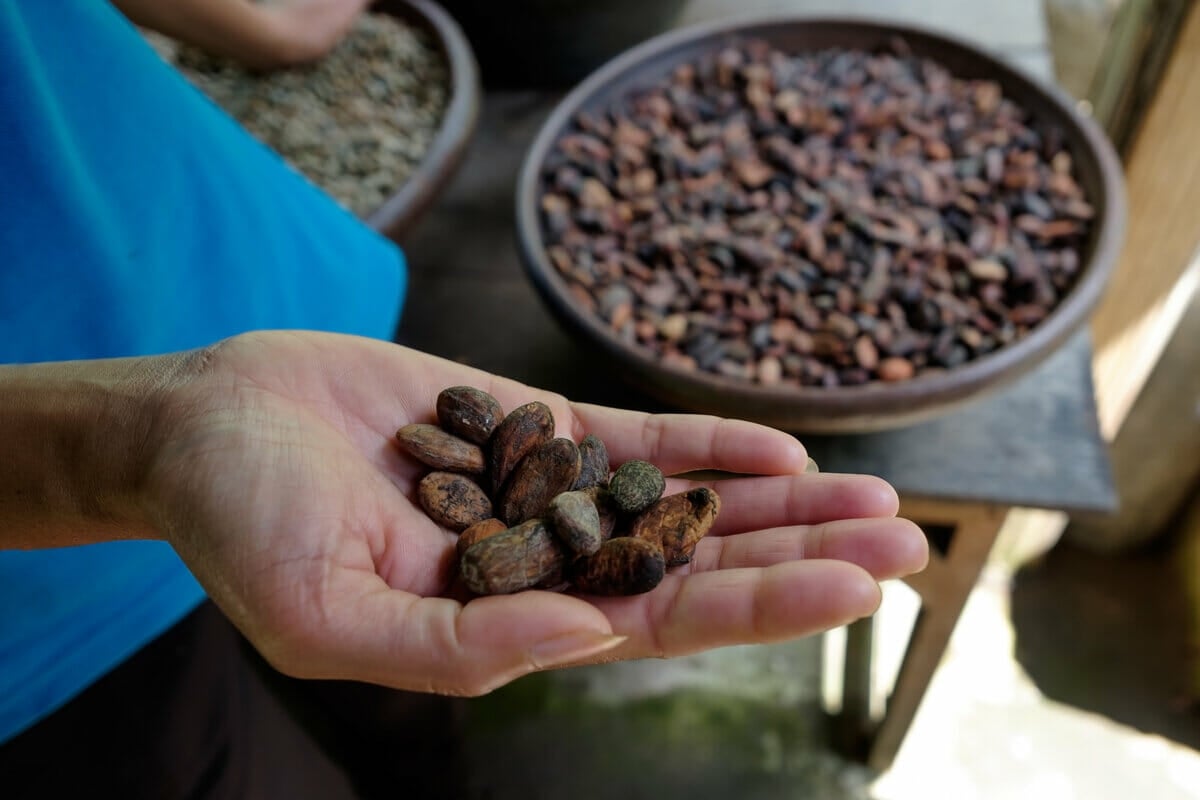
column 453, row 500
column 435, row 448
column 677, row 522
column 593, row 463
column 517, row 434
column 469, row 413
column 622, row 566
column 546, row 472
column 513, row 560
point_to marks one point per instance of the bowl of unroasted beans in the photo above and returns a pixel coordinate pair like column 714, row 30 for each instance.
column 824, row 225
column 381, row 122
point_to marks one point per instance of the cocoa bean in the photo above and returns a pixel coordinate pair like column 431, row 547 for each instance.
column 453, row 500
column 621, row 566
column 517, row 434
column 602, row 500
column 677, row 522
column 575, row 520
column 635, row 485
column 477, row 532
column 593, row 463
column 469, row 413
column 436, row 448
column 513, row 560
column 546, row 472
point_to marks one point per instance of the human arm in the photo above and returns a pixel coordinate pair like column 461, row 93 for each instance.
column 267, row 462
column 258, row 35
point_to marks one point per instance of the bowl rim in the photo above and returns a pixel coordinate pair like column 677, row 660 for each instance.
column 401, row 210
column 1004, row 364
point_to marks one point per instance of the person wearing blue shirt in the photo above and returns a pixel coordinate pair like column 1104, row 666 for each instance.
column 197, row 392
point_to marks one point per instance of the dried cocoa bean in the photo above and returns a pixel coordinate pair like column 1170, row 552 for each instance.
column 635, row 485
column 453, row 500
column 549, row 470
column 513, row 560
column 469, row 413
column 622, row 566
column 677, row 522
column 435, row 448
column 479, row 531
column 604, row 507
column 576, row 521
column 593, row 463
column 516, row 436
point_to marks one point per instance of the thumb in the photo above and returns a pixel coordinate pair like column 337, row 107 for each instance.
column 394, row 638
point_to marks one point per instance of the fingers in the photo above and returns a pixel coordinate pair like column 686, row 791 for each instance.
column 686, row 614
column 885, row 548
column 751, row 504
column 437, row 645
column 430, row 644
column 682, row 442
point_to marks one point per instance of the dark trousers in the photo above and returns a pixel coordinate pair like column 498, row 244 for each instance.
column 198, row 714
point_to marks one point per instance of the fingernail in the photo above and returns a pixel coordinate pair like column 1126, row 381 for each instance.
column 574, row 646
column 812, row 466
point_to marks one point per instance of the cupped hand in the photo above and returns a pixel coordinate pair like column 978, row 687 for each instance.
column 276, row 478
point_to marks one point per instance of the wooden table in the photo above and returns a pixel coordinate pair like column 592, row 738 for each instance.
column 1035, row 443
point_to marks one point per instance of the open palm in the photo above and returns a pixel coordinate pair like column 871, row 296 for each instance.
column 277, row 480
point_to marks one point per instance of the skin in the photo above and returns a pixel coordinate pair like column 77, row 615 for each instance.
column 267, row 462
column 258, row 35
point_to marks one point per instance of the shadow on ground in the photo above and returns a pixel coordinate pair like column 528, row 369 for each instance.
column 1113, row 634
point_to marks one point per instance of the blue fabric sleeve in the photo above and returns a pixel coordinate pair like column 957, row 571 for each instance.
column 137, row 218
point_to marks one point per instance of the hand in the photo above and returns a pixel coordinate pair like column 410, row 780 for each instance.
column 275, row 476
column 257, row 35
column 307, row 30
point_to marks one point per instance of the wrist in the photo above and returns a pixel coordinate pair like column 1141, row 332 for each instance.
column 80, row 439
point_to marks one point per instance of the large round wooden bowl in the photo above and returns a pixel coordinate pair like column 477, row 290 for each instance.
column 871, row 406
column 400, row 212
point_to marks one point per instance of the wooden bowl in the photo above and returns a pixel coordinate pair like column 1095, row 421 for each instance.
column 400, row 212
column 872, row 406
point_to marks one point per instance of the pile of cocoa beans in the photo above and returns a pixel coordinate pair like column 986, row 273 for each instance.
column 537, row 512
column 827, row 218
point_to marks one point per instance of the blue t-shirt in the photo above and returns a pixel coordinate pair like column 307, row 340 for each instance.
column 137, row 218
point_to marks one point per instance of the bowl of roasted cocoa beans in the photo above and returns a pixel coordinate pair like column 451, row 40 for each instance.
column 825, row 225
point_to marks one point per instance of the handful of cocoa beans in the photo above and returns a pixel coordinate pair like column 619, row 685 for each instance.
column 538, row 512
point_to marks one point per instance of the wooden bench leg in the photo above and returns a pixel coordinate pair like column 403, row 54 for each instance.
column 966, row 535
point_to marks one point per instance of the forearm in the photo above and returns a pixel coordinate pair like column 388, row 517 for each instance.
column 76, row 449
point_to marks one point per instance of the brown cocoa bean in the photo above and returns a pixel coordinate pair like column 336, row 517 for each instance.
column 435, row 448
column 635, row 485
column 479, row 531
column 622, row 566
column 895, row 369
column 549, row 470
column 469, row 413
column 604, row 507
column 593, row 463
column 517, row 434
column 513, row 560
column 453, row 500
column 576, row 521
column 677, row 522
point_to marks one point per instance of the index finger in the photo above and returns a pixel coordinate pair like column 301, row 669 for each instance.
column 683, row 442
